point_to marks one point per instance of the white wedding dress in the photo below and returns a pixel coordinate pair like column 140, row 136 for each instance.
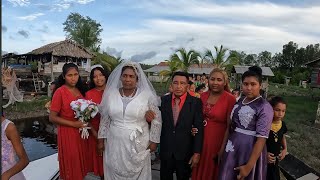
column 127, row 135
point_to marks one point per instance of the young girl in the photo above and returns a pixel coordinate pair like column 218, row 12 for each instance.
column 192, row 90
column 276, row 140
column 245, row 155
column 72, row 154
column 11, row 145
column 98, row 80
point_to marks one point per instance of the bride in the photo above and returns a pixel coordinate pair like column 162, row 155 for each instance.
column 128, row 138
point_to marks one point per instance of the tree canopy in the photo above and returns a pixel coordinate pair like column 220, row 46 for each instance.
column 83, row 30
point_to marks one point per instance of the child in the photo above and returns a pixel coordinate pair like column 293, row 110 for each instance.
column 192, row 90
column 236, row 94
column 11, row 145
column 276, row 140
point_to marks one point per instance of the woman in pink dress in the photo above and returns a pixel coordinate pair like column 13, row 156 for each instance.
column 72, row 149
column 98, row 78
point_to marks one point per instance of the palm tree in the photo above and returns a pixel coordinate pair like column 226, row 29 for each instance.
column 233, row 59
column 174, row 65
column 186, row 58
column 218, row 59
column 108, row 62
column 203, row 60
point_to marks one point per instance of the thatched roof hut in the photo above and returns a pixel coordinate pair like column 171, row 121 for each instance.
column 51, row 57
column 66, row 48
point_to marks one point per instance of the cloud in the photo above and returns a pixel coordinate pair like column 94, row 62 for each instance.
column 3, row 52
column 44, row 38
column 143, row 56
column 262, row 14
column 11, row 37
column 19, row 2
column 246, row 37
column 61, row 5
column 23, row 33
column 190, row 40
column 249, row 26
column 79, row 1
column 31, row 17
column 113, row 52
column 44, row 29
column 4, row 29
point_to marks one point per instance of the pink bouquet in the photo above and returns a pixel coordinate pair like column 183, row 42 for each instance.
column 84, row 110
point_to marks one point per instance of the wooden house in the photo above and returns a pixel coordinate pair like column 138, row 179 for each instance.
column 47, row 61
column 50, row 58
column 194, row 69
column 315, row 73
column 53, row 56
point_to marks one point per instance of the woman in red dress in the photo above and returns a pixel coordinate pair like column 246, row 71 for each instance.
column 98, row 78
column 217, row 107
column 72, row 153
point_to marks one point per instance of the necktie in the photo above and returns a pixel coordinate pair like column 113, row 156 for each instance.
column 176, row 110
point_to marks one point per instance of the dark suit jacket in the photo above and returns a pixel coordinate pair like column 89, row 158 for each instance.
column 178, row 140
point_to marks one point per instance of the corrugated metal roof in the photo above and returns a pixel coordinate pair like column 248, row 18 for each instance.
column 266, row 71
column 314, row 61
column 157, row 69
column 192, row 70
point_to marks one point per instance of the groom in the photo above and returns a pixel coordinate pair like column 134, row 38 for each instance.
column 180, row 151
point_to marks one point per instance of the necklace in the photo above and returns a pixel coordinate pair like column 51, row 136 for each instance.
column 131, row 95
column 250, row 101
column 275, row 135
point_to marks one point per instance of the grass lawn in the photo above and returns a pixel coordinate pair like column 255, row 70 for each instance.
column 283, row 90
column 34, row 104
column 304, row 140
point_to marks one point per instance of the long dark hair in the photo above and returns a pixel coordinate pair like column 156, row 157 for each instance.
column 61, row 81
column 104, row 73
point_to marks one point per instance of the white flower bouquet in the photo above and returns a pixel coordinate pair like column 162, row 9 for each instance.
column 84, row 110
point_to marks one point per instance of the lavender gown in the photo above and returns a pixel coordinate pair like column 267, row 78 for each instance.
column 249, row 120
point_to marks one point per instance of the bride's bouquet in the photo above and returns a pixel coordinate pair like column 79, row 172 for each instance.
column 84, row 110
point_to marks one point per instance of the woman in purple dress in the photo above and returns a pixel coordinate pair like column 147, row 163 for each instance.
column 245, row 152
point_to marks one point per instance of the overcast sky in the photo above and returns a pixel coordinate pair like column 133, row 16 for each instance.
column 149, row 31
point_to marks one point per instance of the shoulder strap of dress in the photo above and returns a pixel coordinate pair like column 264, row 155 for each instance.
column 6, row 123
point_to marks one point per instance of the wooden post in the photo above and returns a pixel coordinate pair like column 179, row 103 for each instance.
column 52, row 77
column 317, row 121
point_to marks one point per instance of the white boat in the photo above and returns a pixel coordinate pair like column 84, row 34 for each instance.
column 46, row 168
